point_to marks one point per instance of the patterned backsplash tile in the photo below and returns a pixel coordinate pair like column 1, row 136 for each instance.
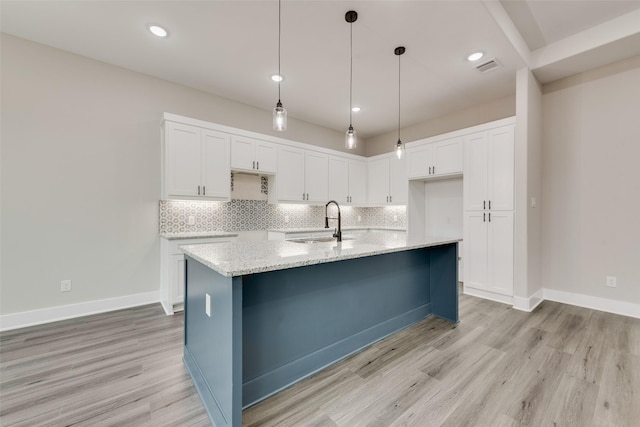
column 250, row 215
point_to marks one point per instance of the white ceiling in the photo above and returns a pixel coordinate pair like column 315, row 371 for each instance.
column 229, row 48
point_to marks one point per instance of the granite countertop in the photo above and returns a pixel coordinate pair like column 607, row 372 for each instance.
column 197, row 235
column 330, row 229
column 241, row 258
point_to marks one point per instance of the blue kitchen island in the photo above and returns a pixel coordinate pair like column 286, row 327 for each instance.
column 260, row 316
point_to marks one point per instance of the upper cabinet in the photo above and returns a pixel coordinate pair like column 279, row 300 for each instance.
column 253, row 155
column 302, row 175
column 436, row 159
column 347, row 180
column 489, row 170
column 195, row 163
column 387, row 180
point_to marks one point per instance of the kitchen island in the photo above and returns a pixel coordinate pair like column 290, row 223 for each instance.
column 260, row 316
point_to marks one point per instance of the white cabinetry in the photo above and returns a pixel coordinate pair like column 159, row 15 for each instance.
column 387, row 180
column 172, row 270
column 488, row 228
column 347, row 180
column 253, row 155
column 302, row 175
column 436, row 159
column 195, row 163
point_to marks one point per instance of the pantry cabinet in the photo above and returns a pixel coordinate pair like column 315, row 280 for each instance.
column 488, row 203
column 195, row 163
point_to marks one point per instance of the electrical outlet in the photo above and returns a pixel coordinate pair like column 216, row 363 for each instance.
column 611, row 281
column 191, row 220
column 207, row 305
column 65, row 286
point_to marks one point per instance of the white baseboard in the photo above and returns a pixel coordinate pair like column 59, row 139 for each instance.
column 505, row 299
column 602, row 304
column 63, row 312
column 528, row 304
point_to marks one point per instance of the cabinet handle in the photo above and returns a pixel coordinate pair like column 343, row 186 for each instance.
column 484, row 217
column 489, row 208
column 434, row 170
column 391, row 199
column 484, row 204
column 198, row 190
column 429, row 170
column 489, row 216
column 253, row 165
column 302, row 196
column 258, row 165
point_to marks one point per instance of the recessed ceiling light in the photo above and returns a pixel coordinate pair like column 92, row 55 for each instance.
column 158, row 31
column 475, row 56
column 355, row 109
column 277, row 78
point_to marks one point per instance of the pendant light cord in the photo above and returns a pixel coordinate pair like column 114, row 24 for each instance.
column 399, row 97
column 350, row 73
column 279, row 41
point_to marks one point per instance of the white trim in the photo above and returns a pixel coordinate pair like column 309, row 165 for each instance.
column 596, row 303
column 505, row 299
column 70, row 311
column 528, row 304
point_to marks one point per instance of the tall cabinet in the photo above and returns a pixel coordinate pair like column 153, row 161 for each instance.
column 488, row 203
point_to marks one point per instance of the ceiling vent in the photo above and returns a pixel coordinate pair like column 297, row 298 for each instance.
column 489, row 65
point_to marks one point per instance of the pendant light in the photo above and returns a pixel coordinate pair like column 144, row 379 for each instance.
column 279, row 113
column 351, row 138
column 399, row 148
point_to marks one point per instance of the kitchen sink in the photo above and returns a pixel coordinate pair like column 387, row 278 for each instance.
column 319, row 239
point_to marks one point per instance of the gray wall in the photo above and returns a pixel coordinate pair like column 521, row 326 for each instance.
column 591, row 182
column 81, row 172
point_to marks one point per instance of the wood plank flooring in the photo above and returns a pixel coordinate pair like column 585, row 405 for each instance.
column 558, row 366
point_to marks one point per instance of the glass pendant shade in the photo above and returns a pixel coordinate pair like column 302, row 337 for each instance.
column 279, row 117
column 399, row 149
column 351, row 138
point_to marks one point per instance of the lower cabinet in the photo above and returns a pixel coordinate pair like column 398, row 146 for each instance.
column 172, row 270
column 488, row 251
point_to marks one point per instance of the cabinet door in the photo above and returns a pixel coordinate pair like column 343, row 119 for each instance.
column 339, row 179
column 378, row 181
column 317, row 176
column 266, row 157
column 177, row 278
column 243, row 153
column 399, row 185
column 215, row 165
column 501, row 164
column 447, row 157
column 290, row 177
column 475, row 250
column 420, row 161
column 357, row 181
column 182, row 160
column 475, row 172
column 500, row 252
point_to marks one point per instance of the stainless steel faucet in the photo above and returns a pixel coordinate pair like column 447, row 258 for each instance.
column 338, row 232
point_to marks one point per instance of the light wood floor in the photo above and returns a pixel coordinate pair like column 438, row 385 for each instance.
column 558, row 366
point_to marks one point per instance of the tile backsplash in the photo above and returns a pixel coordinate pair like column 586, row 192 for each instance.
column 251, row 215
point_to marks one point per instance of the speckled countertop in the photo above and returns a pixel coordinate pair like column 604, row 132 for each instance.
column 197, row 235
column 241, row 258
column 330, row 229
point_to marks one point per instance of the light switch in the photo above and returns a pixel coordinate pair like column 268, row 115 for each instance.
column 207, row 305
column 533, row 202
